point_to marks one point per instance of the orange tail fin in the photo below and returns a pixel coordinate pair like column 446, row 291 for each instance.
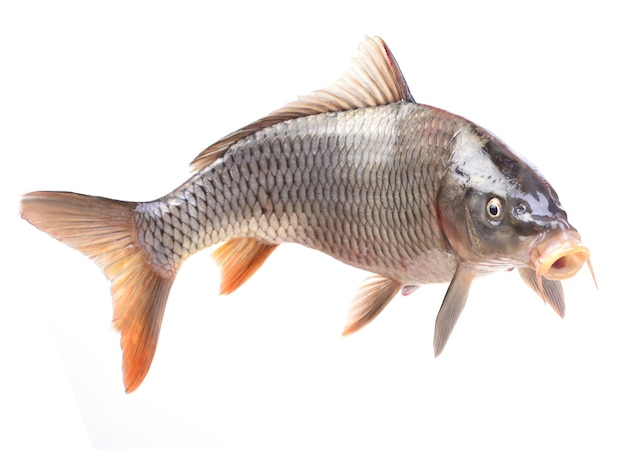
column 103, row 230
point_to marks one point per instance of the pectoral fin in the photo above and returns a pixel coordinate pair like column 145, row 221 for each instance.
column 371, row 298
column 452, row 306
column 550, row 291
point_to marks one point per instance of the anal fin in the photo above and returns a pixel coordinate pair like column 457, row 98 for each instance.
column 371, row 298
column 239, row 258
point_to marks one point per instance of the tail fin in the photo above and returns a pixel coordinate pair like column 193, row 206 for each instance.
column 103, row 230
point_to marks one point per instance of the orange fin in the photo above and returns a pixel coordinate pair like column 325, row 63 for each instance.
column 371, row 298
column 102, row 229
column 373, row 79
column 239, row 259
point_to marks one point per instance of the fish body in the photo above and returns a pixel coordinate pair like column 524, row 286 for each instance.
column 359, row 185
column 360, row 171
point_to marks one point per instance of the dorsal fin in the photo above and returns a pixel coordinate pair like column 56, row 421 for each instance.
column 373, row 79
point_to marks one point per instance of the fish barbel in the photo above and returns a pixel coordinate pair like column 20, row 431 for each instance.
column 358, row 170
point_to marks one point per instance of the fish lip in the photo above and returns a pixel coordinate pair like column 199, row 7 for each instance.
column 559, row 255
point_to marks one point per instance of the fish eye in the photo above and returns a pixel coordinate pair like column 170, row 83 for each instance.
column 494, row 208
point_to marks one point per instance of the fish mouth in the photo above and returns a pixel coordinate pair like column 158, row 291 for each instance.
column 560, row 256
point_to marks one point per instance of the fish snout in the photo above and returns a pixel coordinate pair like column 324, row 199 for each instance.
column 560, row 255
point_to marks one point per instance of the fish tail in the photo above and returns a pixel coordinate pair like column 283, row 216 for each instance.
column 103, row 230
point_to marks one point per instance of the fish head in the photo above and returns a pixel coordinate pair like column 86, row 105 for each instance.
column 497, row 211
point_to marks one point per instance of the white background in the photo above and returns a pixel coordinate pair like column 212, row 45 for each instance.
column 116, row 99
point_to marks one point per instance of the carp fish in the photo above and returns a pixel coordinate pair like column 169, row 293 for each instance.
column 358, row 170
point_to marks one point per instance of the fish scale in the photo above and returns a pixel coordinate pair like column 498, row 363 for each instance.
column 334, row 173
